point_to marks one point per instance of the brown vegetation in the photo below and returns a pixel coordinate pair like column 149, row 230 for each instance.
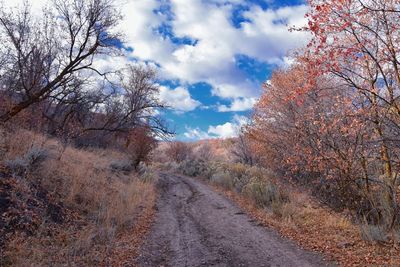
column 331, row 120
column 179, row 151
column 68, row 207
column 74, row 141
column 71, row 136
column 283, row 205
column 317, row 228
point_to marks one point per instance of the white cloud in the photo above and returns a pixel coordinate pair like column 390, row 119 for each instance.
column 226, row 130
column 196, row 134
column 266, row 33
column 241, row 120
column 238, row 104
column 138, row 24
column 229, row 129
column 179, row 99
column 211, row 58
column 263, row 36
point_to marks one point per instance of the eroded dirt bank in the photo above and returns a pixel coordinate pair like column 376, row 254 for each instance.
column 195, row 226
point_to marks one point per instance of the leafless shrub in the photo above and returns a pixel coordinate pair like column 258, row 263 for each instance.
column 179, row 151
column 203, row 152
column 30, row 161
column 222, row 178
column 196, row 168
column 266, row 194
column 121, row 166
column 239, row 175
column 131, row 108
column 241, row 149
column 140, row 143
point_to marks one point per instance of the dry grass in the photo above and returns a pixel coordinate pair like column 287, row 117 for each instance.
column 102, row 204
column 319, row 229
column 298, row 216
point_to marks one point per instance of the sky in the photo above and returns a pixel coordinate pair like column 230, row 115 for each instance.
column 211, row 56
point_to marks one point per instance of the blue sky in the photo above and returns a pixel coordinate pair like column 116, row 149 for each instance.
column 222, row 51
column 211, row 55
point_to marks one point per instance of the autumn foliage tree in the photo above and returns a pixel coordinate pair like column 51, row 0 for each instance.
column 311, row 133
column 357, row 41
column 333, row 117
column 179, row 151
column 140, row 142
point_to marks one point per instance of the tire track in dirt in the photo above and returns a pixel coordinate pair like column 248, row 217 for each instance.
column 195, row 226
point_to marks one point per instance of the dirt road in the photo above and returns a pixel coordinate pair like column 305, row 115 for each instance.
column 195, row 226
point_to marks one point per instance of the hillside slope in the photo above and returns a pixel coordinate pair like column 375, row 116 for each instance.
column 62, row 205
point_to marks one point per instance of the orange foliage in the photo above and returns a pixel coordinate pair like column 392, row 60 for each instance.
column 334, row 116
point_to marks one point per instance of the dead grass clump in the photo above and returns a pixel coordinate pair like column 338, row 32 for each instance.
column 338, row 224
column 122, row 166
column 28, row 162
column 287, row 211
column 100, row 203
column 266, row 194
column 223, row 179
column 320, row 229
column 19, row 142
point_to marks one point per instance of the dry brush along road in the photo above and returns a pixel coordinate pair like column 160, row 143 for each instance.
column 195, row 226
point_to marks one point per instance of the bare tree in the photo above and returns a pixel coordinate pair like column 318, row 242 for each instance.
column 204, row 152
column 135, row 103
column 47, row 56
column 179, row 151
column 242, row 150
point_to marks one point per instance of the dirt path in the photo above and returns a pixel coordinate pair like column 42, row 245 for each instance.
column 195, row 226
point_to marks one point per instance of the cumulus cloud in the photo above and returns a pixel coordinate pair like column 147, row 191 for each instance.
column 179, row 99
column 210, row 56
column 138, row 25
column 226, row 130
column 192, row 41
column 238, row 104
column 196, row 134
column 266, row 32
